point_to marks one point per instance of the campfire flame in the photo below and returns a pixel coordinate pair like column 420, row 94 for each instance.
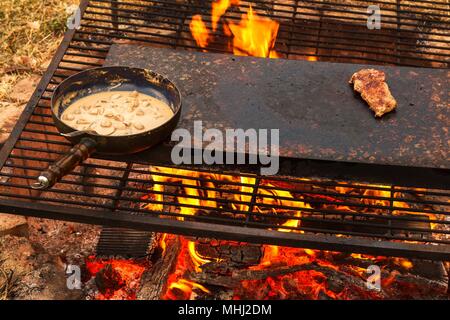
column 196, row 258
column 255, row 35
column 218, row 10
column 177, row 286
column 312, row 283
column 199, row 31
column 252, row 36
column 196, row 196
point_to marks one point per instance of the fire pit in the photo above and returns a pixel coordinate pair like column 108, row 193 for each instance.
column 386, row 198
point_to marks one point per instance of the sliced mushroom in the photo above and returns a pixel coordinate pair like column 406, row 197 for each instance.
column 105, row 123
column 68, row 116
column 105, row 131
column 93, row 111
column 140, row 112
column 83, row 121
column 138, row 126
column 119, row 125
column 119, row 117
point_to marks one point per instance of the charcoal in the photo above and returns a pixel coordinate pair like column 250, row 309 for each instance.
column 108, row 280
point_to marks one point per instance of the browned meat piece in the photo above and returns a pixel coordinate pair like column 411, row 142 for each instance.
column 374, row 90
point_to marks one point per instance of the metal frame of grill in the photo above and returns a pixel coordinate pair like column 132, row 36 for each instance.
column 115, row 199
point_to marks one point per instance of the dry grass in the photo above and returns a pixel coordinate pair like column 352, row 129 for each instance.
column 31, row 30
column 8, row 283
column 30, row 33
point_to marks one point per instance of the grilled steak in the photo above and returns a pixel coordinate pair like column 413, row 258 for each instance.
column 374, row 90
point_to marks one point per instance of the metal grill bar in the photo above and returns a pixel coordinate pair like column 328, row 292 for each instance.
column 236, row 202
column 299, row 43
column 265, row 196
column 316, row 241
column 280, row 206
column 332, row 215
column 291, row 23
column 276, row 12
column 124, row 242
column 331, row 28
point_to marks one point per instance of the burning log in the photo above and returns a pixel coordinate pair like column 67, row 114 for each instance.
column 334, row 280
column 234, row 279
column 232, row 252
column 409, row 286
column 214, row 280
column 155, row 280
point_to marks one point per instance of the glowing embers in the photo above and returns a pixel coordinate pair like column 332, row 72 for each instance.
column 286, row 205
column 214, row 269
column 115, row 279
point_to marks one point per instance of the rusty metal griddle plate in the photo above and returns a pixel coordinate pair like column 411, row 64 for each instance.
column 318, row 113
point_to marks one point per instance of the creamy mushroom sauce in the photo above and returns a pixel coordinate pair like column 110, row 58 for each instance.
column 117, row 113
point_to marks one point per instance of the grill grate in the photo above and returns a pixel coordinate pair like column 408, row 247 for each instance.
column 123, row 242
column 281, row 210
column 329, row 31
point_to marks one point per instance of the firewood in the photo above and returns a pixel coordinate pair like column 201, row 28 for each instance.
column 236, row 276
column 236, row 253
column 214, row 280
column 154, row 281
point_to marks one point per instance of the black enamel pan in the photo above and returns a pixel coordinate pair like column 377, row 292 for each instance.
column 87, row 142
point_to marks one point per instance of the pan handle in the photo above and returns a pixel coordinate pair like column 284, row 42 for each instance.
column 66, row 164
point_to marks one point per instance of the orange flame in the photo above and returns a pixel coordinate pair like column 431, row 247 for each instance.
column 243, row 197
column 270, row 193
column 254, row 35
column 196, row 258
column 218, row 10
column 186, row 287
column 188, row 259
column 199, row 31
